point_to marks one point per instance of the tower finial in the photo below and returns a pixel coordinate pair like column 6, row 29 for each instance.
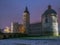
column 26, row 9
column 49, row 6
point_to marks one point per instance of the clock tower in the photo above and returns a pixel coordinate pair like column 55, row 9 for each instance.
column 26, row 20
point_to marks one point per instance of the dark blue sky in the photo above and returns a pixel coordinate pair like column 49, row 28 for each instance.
column 12, row 10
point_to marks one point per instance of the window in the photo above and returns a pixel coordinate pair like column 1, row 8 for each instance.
column 46, row 20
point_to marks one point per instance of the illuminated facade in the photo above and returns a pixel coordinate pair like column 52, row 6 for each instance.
column 49, row 22
column 26, row 20
column 47, row 26
column 14, row 27
column 7, row 30
column 21, row 29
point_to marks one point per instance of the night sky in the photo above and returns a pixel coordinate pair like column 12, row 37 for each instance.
column 12, row 10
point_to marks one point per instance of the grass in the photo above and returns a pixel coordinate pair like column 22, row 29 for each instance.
column 30, row 37
column 41, row 37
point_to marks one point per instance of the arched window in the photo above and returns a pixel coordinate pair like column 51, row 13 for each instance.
column 46, row 20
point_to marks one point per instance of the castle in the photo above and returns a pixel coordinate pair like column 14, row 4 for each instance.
column 47, row 26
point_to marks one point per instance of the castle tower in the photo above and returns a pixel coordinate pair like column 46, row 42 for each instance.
column 14, row 27
column 49, row 22
column 26, row 20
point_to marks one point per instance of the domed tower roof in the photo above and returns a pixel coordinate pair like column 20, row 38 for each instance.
column 49, row 11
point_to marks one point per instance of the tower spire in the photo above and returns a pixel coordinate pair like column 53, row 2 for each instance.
column 26, row 10
column 49, row 6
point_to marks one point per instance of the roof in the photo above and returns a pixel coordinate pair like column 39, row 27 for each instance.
column 26, row 10
column 49, row 11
